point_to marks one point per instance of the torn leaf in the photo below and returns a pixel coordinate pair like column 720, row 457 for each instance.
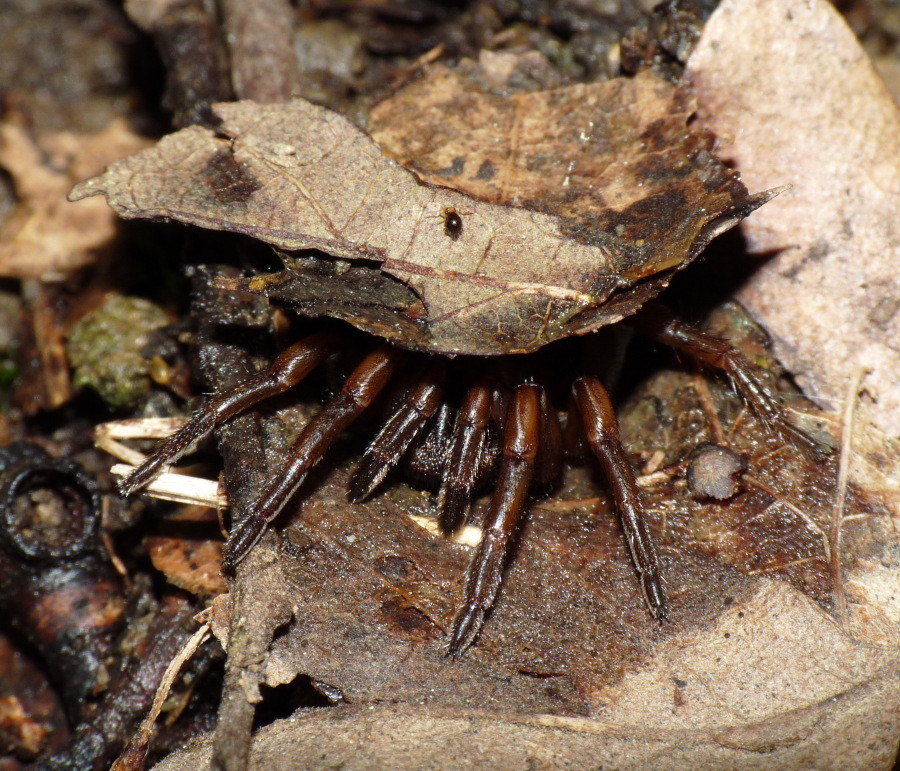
column 504, row 279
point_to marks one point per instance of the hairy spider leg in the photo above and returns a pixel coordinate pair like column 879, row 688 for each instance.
column 294, row 364
column 659, row 323
column 602, row 432
column 360, row 389
column 520, row 450
column 467, row 445
column 400, row 431
column 423, row 463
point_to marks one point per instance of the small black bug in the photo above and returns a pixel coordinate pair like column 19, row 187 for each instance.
column 453, row 224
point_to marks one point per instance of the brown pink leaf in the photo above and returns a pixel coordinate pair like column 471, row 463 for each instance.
column 788, row 82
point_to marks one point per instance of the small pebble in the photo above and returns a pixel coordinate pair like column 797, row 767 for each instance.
column 714, row 472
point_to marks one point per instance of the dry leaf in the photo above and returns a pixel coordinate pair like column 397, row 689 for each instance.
column 195, row 566
column 746, row 665
column 505, row 280
column 830, row 295
column 726, row 697
column 45, row 236
column 374, row 593
column 612, row 157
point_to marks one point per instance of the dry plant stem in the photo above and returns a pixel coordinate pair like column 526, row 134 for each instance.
column 136, row 752
column 399, row 432
column 289, row 368
column 658, row 322
column 357, row 393
column 180, row 488
column 602, row 431
column 520, row 450
column 701, row 388
column 106, row 435
column 466, row 447
column 837, row 522
column 259, row 605
column 108, row 544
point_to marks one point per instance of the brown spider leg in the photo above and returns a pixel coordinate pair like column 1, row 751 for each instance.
column 289, row 368
column 573, row 433
column 398, row 433
column 466, row 447
column 602, row 431
column 658, row 322
column 423, row 463
column 357, row 393
column 550, row 449
column 520, row 449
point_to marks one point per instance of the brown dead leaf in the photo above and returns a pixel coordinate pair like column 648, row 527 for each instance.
column 610, row 157
column 510, row 279
column 195, row 566
column 727, row 697
column 45, row 236
column 788, row 82
column 374, row 593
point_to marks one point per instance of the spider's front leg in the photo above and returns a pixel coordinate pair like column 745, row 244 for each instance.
column 521, row 441
column 602, row 431
column 359, row 390
column 658, row 322
column 294, row 364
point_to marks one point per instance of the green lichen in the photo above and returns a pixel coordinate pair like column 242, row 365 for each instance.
column 106, row 347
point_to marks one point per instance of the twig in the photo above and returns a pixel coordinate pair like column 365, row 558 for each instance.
column 108, row 544
column 54, row 383
column 134, row 754
column 838, row 519
column 708, row 405
column 106, row 435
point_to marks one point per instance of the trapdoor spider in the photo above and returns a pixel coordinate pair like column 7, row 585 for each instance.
column 439, row 274
column 509, row 431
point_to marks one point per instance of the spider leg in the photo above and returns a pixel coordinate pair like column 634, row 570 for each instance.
column 548, row 466
column 658, row 322
column 602, row 431
column 294, row 364
column 466, row 447
column 423, row 463
column 398, row 433
column 359, row 390
column 520, row 449
column 573, row 433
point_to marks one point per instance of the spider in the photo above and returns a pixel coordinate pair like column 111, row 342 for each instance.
column 509, row 431
column 438, row 274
